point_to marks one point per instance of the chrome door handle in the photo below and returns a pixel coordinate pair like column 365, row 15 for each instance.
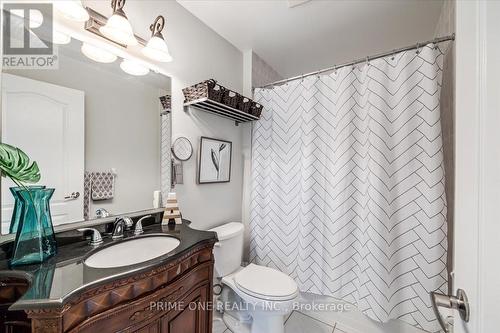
column 72, row 196
column 459, row 302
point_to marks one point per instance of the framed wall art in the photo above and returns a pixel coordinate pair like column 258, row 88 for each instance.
column 215, row 161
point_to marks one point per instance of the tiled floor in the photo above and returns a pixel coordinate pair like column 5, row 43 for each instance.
column 297, row 322
column 307, row 321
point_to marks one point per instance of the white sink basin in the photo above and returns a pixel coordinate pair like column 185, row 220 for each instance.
column 132, row 252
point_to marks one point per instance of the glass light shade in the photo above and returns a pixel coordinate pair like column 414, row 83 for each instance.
column 60, row 38
column 72, row 9
column 118, row 28
column 157, row 49
column 97, row 54
column 133, row 68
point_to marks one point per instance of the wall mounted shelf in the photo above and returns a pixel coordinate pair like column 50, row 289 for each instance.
column 222, row 110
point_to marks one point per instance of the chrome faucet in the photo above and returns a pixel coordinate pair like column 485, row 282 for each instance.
column 119, row 226
column 138, row 225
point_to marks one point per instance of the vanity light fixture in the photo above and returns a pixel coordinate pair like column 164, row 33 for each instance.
column 72, row 9
column 157, row 48
column 133, row 67
column 118, row 28
column 97, row 54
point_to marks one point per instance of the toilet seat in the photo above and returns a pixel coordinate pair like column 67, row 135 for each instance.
column 265, row 283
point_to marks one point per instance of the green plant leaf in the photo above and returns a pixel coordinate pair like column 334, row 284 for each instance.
column 15, row 164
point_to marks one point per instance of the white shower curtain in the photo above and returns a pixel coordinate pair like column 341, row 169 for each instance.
column 348, row 185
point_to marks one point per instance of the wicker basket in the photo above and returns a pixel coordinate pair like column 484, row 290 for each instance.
column 256, row 109
column 206, row 89
column 231, row 98
column 245, row 104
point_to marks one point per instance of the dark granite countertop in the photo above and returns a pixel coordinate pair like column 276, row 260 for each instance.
column 65, row 275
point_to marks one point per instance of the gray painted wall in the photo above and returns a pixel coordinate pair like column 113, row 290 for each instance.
column 262, row 72
column 199, row 54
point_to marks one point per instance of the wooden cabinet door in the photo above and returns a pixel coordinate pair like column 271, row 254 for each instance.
column 151, row 328
column 193, row 316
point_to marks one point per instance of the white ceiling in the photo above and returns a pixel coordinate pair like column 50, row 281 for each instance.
column 319, row 33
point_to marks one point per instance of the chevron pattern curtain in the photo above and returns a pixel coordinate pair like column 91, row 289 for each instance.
column 348, row 185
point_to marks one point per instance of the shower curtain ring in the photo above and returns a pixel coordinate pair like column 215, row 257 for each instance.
column 418, row 48
column 393, row 55
column 367, row 61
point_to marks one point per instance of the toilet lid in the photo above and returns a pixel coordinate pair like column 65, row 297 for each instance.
column 266, row 283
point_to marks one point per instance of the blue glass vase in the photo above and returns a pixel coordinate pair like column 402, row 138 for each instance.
column 35, row 241
column 18, row 208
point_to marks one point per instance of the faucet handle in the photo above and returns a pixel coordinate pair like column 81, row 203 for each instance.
column 96, row 238
column 118, row 228
column 138, row 225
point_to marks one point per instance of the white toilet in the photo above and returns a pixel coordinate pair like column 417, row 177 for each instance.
column 264, row 295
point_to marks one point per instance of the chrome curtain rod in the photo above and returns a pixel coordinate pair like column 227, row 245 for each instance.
column 366, row 59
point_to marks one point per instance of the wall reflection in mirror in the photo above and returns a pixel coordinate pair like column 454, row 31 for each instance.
column 94, row 130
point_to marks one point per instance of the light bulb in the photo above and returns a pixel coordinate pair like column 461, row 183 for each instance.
column 133, row 68
column 97, row 54
column 118, row 28
column 157, row 49
column 72, row 9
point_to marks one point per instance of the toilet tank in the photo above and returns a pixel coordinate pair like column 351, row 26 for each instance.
column 228, row 252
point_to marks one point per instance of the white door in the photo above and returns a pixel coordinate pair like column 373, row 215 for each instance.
column 477, row 147
column 47, row 122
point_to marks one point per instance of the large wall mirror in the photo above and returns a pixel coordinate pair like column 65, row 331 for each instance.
column 86, row 124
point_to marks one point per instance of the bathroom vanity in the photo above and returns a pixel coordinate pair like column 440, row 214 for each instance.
column 169, row 293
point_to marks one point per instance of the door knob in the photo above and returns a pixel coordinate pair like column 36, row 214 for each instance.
column 458, row 302
column 72, row 196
